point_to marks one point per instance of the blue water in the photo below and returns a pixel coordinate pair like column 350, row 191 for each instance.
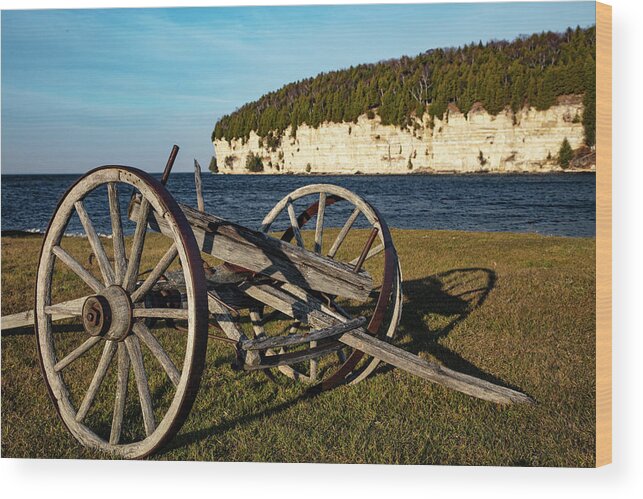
column 551, row 204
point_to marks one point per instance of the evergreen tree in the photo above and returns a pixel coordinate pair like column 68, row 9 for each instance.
column 213, row 165
column 532, row 69
column 565, row 154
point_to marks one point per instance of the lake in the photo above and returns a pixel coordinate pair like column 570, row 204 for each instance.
column 552, row 204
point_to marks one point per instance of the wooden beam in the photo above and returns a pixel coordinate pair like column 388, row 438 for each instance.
column 312, row 312
column 298, row 339
column 197, row 185
column 360, row 339
column 286, row 359
column 258, row 252
column 63, row 310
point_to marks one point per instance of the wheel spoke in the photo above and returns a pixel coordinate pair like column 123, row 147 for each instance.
column 319, row 228
column 156, row 273
column 121, row 394
column 99, row 376
column 295, row 225
column 161, row 313
column 71, row 357
column 134, row 350
column 155, row 347
column 120, row 264
column 257, row 325
column 137, row 246
column 95, row 243
column 342, row 234
column 313, row 364
column 78, row 269
column 375, row 251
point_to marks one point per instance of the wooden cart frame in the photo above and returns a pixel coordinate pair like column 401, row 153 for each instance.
column 271, row 277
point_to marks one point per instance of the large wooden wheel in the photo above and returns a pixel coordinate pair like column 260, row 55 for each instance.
column 87, row 361
column 364, row 242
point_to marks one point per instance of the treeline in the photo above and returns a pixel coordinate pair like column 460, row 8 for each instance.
column 531, row 70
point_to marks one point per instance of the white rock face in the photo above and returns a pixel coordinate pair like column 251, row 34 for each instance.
column 528, row 141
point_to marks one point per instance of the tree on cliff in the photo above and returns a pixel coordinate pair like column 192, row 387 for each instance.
column 213, row 165
column 565, row 154
column 254, row 163
column 532, row 70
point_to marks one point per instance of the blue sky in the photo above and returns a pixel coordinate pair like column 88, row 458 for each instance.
column 81, row 88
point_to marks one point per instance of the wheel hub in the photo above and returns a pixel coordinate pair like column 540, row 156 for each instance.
column 108, row 314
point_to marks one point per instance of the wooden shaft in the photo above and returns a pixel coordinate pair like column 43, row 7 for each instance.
column 366, row 249
column 169, row 164
column 197, row 185
column 311, row 312
column 58, row 311
column 362, row 340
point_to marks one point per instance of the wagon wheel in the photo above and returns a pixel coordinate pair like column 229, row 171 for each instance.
column 370, row 247
column 136, row 414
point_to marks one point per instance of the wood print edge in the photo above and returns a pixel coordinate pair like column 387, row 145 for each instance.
column 603, row 234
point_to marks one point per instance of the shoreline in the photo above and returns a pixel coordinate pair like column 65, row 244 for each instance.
column 327, row 174
column 418, row 173
column 18, row 233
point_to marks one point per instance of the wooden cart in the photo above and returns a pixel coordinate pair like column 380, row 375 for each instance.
column 284, row 305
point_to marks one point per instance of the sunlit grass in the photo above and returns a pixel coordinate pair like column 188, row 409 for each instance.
column 515, row 309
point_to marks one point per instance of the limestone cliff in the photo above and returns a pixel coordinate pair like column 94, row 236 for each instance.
column 527, row 141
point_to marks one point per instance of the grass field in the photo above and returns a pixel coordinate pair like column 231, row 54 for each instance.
column 515, row 309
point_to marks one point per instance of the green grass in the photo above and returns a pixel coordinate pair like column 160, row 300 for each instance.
column 515, row 309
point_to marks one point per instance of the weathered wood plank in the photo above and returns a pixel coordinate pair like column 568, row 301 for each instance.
column 64, row 310
column 362, row 340
column 266, row 255
column 199, row 188
column 295, row 225
column 161, row 313
column 319, row 225
column 21, row 319
column 298, row 339
column 311, row 312
column 285, row 359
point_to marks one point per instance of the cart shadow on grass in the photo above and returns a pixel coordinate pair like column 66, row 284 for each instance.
column 433, row 307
